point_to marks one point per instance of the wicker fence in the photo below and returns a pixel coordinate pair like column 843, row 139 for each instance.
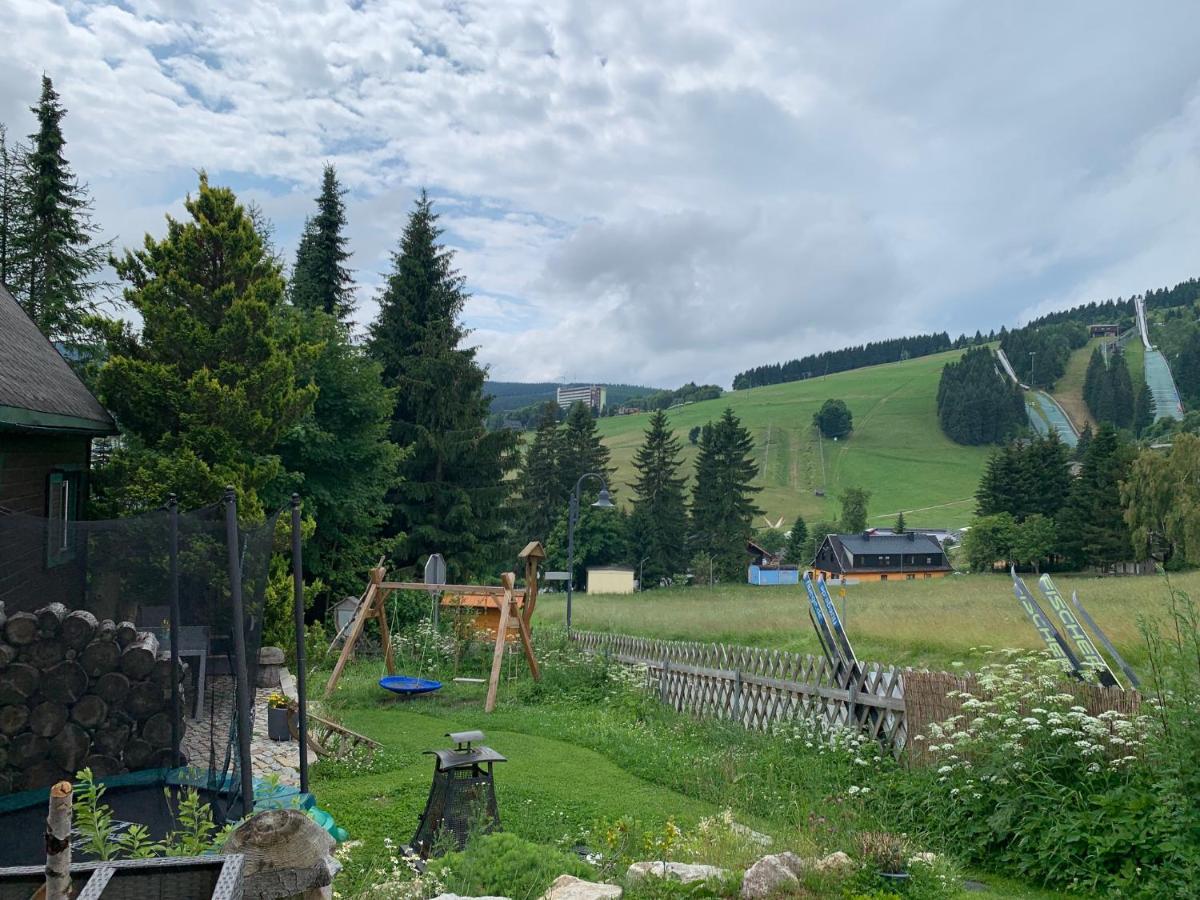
column 762, row 687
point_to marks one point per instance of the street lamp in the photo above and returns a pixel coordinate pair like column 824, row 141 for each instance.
column 1032, row 360
column 604, row 501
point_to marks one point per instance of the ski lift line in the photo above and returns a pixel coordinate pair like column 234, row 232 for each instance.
column 1104, row 641
column 1088, row 653
column 893, row 515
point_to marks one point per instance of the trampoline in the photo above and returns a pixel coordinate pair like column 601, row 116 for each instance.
column 407, row 686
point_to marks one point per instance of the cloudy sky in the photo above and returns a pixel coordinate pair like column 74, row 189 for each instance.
column 667, row 191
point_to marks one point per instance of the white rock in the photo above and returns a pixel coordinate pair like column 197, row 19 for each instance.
column 835, row 862
column 749, row 834
column 771, row 875
column 457, row 897
column 568, row 887
column 684, row 872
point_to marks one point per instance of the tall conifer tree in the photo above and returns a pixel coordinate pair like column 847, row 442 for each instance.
column 1092, row 529
column 540, row 483
column 659, row 520
column 55, row 260
column 451, row 499
column 320, row 279
column 797, row 543
column 723, row 506
column 11, row 156
column 582, row 451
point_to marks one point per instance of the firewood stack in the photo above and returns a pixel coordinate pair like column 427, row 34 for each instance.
column 78, row 692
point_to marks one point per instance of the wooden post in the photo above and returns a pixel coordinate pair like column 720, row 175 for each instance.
column 385, row 634
column 58, row 843
column 365, row 610
column 532, row 553
column 501, row 632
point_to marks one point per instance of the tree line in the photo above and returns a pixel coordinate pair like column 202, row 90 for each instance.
column 245, row 374
column 830, row 361
column 668, row 527
column 976, row 402
column 1110, row 395
column 1039, row 353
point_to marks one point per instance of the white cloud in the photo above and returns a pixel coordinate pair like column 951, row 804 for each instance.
column 669, row 191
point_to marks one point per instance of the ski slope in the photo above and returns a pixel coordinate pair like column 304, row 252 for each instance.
column 1139, row 306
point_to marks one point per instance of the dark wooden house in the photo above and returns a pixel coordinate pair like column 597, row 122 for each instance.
column 881, row 557
column 48, row 420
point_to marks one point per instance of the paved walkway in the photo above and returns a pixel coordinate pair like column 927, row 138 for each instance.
column 271, row 758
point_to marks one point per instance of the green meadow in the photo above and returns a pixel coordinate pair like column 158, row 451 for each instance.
column 925, row 624
column 897, row 451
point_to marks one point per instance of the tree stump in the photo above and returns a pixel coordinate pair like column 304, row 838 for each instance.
column 286, row 853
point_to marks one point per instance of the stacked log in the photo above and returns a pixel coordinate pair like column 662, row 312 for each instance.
column 76, row 691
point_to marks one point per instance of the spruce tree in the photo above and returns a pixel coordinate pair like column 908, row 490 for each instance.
column 1047, row 464
column 55, row 260
column 209, row 388
column 659, row 519
column 854, row 509
column 320, row 279
column 723, row 507
column 797, row 542
column 452, row 490
column 900, row 526
column 539, row 490
column 1143, row 409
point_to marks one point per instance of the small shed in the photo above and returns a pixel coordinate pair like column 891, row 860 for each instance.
column 764, row 575
column 610, row 580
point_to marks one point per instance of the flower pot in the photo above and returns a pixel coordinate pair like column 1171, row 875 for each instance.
column 277, row 724
column 895, row 876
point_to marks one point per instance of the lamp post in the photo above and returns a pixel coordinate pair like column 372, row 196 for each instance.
column 602, row 502
column 1032, row 370
column 641, row 562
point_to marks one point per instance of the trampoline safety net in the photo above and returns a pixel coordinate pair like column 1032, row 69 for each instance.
column 87, row 672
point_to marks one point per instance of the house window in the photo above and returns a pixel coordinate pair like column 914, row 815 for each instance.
column 883, row 577
column 62, row 511
column 909, row 577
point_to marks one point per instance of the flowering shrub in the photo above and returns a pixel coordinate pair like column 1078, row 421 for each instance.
column 1026, row 779
column 398, row 878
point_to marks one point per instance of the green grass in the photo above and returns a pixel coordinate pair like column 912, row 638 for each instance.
column 1135, row 359
column 897, row 450
column 1069, row 389
column 930, row 624
column 577, row 758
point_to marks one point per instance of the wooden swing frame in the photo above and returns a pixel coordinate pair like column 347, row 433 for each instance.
column 373, row 605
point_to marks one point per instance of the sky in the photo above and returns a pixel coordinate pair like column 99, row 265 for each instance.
column 660, row 192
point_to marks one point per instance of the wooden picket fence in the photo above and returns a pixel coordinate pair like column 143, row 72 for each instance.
column 761, row 688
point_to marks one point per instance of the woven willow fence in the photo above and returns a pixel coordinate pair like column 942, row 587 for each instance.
column 760, row 688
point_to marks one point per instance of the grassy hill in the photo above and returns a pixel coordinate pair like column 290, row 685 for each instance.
column 897, row 451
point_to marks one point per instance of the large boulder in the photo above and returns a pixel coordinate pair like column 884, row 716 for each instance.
column 568, row 887
column 771, row 875
column 459, row 897
column 836, row 863
column 684, row 872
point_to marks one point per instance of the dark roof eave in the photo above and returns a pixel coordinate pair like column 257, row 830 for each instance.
column 13, row 418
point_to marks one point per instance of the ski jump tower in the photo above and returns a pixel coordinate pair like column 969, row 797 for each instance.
column 1167, row 404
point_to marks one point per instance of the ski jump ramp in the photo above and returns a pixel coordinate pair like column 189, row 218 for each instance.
column 1045, row 413
column 1163, row 391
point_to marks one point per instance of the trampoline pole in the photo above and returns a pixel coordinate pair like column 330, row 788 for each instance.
column 242, row 685
column 298, row 593
column 173, row 625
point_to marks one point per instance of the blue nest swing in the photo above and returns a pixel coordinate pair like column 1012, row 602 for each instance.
column 407, row 686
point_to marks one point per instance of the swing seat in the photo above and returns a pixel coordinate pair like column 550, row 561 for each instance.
column 408, row 686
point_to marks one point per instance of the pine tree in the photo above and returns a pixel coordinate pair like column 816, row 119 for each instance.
column 210, row 387
column 1143, row 409
column 581, row 451
column 723, row 505
column 899, row 527
column 11, row 161
column 659, row 520
column 320, row 279
column 1091, row 526
column 1121, row 391
column 797, row 541
column 1085, row 439
column 342, row 448
column 539, row 489
column 854, row 509
column 1048, row 480
column 452, row 492
column 55, row 259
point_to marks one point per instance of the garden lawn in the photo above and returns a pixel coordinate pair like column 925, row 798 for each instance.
column 933, row 624
column 897, row 451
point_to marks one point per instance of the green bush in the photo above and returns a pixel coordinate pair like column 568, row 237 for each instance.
column 503, row 864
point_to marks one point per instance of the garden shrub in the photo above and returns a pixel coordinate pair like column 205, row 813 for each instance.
column 502, row 864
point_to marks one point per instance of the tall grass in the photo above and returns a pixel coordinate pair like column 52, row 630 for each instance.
column 932, row 624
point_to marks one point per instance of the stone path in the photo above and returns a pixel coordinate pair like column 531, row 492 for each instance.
column 271, row 758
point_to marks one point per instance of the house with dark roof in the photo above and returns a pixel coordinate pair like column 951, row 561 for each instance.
column 48, row 420
column 881, row 557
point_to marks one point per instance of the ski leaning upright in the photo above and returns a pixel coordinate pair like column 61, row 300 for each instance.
column 1089, row 656
column 1103, row 638
column 1058, row 647
column 829, row 646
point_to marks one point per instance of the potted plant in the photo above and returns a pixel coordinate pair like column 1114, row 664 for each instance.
column 278, row 710
column 886, row 853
